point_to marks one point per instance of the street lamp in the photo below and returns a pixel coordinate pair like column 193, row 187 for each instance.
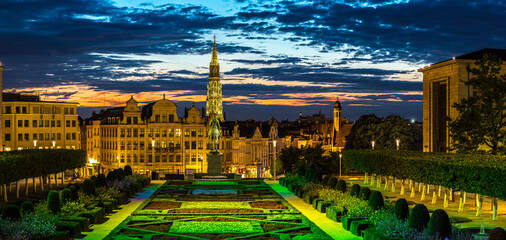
column 372, row 144
column 340, row 158
column 201, row 163
column 152, row 155
column 397, row 141
column 34, row 144
column 54, row 144
column 274, row 145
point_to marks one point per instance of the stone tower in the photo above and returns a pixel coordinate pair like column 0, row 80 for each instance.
column 337, row 115
column 214, row 107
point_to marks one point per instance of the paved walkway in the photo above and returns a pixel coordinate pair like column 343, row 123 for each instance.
column 101, row 230
column 334, row 229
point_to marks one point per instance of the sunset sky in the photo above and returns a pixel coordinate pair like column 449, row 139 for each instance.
column 277, row 58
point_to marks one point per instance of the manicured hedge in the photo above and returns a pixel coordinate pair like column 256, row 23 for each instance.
column 483, row 174
column 17, row 165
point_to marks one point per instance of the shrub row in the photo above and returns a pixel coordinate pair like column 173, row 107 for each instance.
column 471, row 173
column 17, row 165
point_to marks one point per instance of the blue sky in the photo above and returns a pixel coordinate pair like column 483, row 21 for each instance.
column 277, row 58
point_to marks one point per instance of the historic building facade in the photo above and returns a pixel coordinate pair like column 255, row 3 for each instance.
column 31, row 123
column 153, row 138
column 443, row 85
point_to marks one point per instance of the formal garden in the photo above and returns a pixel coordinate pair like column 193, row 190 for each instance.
column 362, row 208
column 247, row 209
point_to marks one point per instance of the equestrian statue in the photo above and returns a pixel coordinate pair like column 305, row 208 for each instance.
column 214, row 134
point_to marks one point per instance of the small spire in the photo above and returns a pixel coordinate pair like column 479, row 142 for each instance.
column 164, row 96
column 214, row 59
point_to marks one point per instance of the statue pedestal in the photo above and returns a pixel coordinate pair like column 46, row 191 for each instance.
column 214, row 163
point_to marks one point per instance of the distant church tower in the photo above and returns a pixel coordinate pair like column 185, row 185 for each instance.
column 214, row 107
column 337, row 124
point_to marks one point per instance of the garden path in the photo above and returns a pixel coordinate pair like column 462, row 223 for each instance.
column 99, row 231
column 333, row 229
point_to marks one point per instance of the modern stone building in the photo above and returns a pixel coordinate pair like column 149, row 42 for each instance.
column 443, row 85
column 31, row 123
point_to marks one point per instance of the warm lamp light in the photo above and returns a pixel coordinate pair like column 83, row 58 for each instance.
column 372, row 144
column 397, row 141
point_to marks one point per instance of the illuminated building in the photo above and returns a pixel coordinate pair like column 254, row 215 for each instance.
column 443, row 85
column 31, row 123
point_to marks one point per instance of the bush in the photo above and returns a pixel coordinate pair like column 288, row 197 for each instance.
column 317, row 177
column 120, row 173
column 301, row 171
column 390, row 226
column 66, row 196
column 101, row 181
column 71, row 208
column 128, row 170
column 31, row 226
column 332, row 182
column 364, row 193
column 326, row 180
column 376, row 200
column 440, row 223
column 11, row 211
column 355, row 190
column 89, row 187
column 341, row 185
column 497, row 233
column 27, row 207
column 94, row 179
column 53, row 201
column 401, row 209
column 73, row 193
column 419, row 217
column 111, row 176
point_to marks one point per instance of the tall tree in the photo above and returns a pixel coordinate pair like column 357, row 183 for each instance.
column 482, row 117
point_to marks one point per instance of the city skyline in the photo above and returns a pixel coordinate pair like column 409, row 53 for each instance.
column 277, row 58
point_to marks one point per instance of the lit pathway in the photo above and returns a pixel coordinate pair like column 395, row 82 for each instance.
column 334, row 229
column 101, row 230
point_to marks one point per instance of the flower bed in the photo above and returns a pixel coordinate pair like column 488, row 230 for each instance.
column 255, row 212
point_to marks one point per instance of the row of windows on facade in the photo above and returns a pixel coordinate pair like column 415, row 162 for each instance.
column 159, row 145
column 157, row 119
column 139, row 132
column 41, row 123
column 37, row 110
column 41, row 136
column 189, row 158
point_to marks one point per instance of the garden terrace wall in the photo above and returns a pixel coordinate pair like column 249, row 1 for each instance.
column 481, row 174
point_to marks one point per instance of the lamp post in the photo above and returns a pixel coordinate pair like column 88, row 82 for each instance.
column 372, row 144
column 117, row 161
column 152, row 155
column 54, row 144
column 274, row 146
column 34, row 144
column 397, row 141
column 340, row 158
column 201, row 163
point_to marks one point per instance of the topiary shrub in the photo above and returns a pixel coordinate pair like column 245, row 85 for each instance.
column 128, row 170
column 440, row 223
column 73, row 193
column 11, row 211
column 419, row 217
column 376, row 200
column 120, row 173
column 341, row 185
column 497, row 233
column 326, row 179
column 111, row 176
column 89, row 187
column 53, row 201
column 27, row 207
column 301, row 171
column 364, row 193
column 317, row 177
column 101, row 180
column 401, row 209
column 307, row 174
column 94, row 179
column 332, row 182
column 355, row 190
column 66, row 196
